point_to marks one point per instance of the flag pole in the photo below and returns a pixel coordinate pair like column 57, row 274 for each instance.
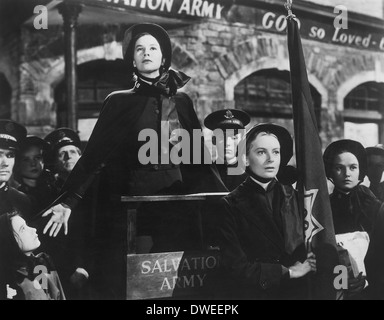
column 312, row 188
column 288, row 6
column 290, row 16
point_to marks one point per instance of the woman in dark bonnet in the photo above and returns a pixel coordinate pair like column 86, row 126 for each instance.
column 356, row 209
column 152, row 105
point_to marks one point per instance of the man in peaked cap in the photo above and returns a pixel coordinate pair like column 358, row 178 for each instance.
column 228, row 126
column 68, row 251
column 375, row 158
column 11, row 135
column 231, row 122
column 65, row 152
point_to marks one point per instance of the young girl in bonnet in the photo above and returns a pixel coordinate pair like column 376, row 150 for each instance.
column 24, row 276
column 356, row 209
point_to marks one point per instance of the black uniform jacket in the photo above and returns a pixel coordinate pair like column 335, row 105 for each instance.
column 254, row 249
column 360, row 210
column 11, row 199
column 115, row 126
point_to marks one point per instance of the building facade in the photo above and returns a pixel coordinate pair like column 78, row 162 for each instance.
column 236, row 54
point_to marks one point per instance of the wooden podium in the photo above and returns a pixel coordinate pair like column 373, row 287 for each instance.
column 171, row 275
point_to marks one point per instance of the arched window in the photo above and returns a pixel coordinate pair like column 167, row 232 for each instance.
column 366, row 97
column 266, row 96
column 96, row 80
column 363, row 113
column 5, row 97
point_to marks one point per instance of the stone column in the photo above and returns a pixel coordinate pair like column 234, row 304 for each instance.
column 70, row 12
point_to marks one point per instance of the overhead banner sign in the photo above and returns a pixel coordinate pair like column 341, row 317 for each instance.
column 214, row 9
column 361, row 38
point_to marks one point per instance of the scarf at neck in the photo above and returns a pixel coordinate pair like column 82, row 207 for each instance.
column 167, row 83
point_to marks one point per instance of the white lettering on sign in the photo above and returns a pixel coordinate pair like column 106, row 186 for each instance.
column 351, row 39
column 182, row 282
column 200, row 8
column 279, row 23
column 196, row 8
column 337, row 34
column 316, row 32
column 180, row 272
column 173, row 265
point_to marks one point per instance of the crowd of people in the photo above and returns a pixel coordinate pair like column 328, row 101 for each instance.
column 61, row 209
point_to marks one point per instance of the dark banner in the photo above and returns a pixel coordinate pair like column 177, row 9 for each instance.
column 214, row 9
column 353, row 36
column 356, row 36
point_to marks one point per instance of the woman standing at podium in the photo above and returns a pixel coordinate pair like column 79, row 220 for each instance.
column 113, row 150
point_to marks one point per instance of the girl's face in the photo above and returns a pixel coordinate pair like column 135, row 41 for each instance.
column 147, row 56
column 26, row 237
column 31, row 163
column 264, row 156
column 345, row 171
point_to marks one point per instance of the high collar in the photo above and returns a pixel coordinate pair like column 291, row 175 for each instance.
column 342, row 194
column 167, row 84
column 262, row 187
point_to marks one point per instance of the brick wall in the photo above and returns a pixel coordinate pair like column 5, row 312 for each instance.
column 216, row 54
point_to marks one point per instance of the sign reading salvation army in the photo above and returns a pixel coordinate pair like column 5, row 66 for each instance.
column 171, row 274
column 175, row 8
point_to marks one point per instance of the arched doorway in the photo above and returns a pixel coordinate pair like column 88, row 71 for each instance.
column 5, row 97
column 96, row 80
column 266, row 96
column 363, row 113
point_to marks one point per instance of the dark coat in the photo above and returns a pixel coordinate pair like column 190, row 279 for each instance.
column 111, row 155
column 254, row 250
column 378, row 191
column 115, row 127
column 11, row 199
column 43, row 194
column 24, row 286
column 230, row 181
column 360, row 210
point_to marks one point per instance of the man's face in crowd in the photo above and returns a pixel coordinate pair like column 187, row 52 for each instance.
column 67, row 158
column 7, row 162
column 375, row 168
